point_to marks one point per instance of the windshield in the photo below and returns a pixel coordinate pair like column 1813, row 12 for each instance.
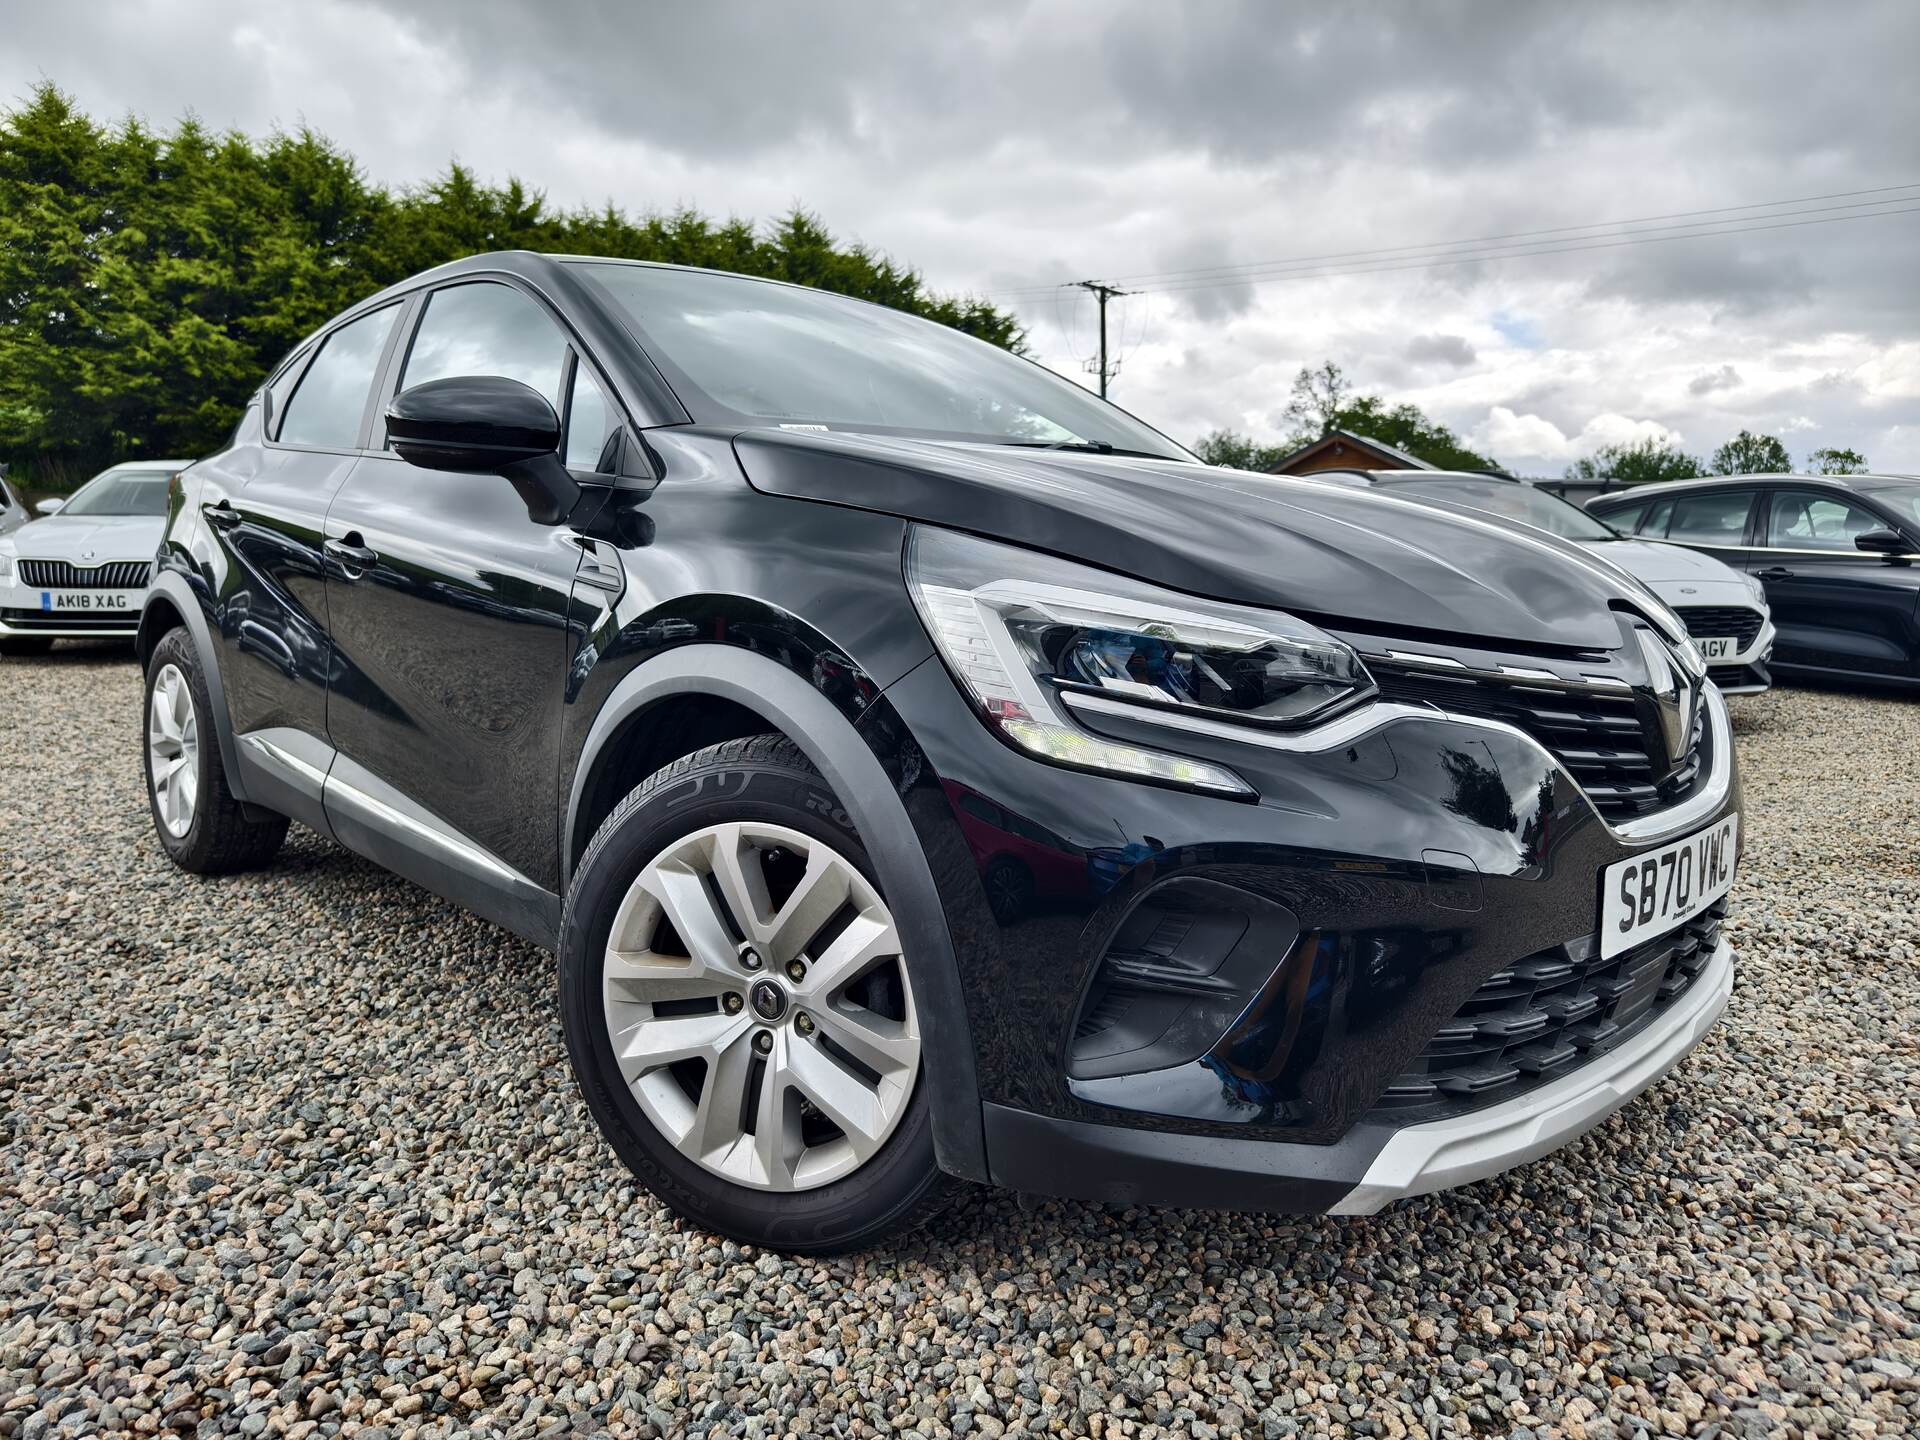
column 1514, row 501
column 121, row 492
column 743, row 351
column 1901, row 497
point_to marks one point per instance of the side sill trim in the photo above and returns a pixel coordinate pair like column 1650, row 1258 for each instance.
column 1423, row 1158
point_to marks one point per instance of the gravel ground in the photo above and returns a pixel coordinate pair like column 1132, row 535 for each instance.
column 298, row 1153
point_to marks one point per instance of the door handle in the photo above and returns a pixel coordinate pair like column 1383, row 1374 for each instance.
column 351, row 554
column 1774, row 572
column 222, row 516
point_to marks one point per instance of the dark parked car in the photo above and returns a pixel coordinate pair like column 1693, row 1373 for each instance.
column 1836, row 553
column 688, row 624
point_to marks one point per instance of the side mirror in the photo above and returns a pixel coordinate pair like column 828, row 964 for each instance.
column 49, row 507
column 1881, row 542
column 487, row 425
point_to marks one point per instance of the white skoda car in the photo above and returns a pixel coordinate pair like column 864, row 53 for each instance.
column 80, row 571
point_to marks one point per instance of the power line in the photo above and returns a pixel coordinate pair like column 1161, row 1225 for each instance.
column 1430, row 261
column 1477, row 258
column 1510, row 235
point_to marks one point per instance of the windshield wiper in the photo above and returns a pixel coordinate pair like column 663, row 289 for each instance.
column 1084, row 447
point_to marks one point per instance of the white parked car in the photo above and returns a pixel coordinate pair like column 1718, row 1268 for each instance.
column 13, row 510
column 80, row 570
column 1724, row 610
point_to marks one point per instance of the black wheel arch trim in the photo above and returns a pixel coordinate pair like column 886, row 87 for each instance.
column 855, row 773
column 172, row 587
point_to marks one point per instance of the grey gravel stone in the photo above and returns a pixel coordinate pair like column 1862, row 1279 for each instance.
column 297, row 1154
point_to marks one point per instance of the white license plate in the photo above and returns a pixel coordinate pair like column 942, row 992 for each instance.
column 1719, row 648
column 1653, row 892
column 90, row 602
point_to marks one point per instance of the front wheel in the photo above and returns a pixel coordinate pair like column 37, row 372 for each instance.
column 737, row 1009
column 201, row 825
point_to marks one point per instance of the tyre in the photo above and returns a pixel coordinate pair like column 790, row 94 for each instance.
column 20, row 647
column 202, row 827
column 737, row 1011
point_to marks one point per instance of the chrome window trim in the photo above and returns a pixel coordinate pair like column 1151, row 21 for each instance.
column 1760, row 550
column 1345, row 729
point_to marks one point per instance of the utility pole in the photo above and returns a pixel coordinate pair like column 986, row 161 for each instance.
column 1104, row 294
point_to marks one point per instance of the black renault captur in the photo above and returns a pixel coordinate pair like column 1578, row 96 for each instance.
column 924, row 770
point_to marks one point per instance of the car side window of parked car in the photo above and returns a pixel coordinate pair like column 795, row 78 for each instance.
column 1626, row 519
column 486, row 328
column 1717, row 517
column 330, row 400
column 1814, row 520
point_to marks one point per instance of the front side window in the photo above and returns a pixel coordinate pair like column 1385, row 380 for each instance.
column 1813, row 520
column 744, row 351
column 331, row 399
column 488, row 329
column 121, row 492
column 1718, row 517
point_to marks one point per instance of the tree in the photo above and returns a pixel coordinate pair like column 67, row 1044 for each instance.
column 1406, row 427
column 1239, row 452
column 1751, row 454
column 1314, row 407
column 148, row 281
column 1831, row 461
column 1641, row 463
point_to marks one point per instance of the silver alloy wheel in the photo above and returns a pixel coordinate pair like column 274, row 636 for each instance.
column 759, row 1008
column 173, row 750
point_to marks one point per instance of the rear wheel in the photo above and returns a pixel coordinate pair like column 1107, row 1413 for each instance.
column 738, row 1011
column 201, row 825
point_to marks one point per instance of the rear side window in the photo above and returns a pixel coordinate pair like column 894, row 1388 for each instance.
column 488, row 329
column 326, row 409
column 1718, row 517
column 1626, row 519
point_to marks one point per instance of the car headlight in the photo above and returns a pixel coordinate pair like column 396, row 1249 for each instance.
column 1020, row 630
column 6, row 567
column 1754, row 587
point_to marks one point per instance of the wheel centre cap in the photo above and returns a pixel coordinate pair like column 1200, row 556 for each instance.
column 768, row 999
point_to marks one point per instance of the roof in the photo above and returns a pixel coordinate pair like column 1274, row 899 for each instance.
column 1399, row 458
column 1695, row 482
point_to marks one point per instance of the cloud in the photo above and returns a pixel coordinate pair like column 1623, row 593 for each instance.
column 1013, row 144
column 1725, row 378
column 1529, row 441
column 1441, row 350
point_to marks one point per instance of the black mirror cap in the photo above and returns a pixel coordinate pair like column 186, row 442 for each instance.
column 474, row 424
column 1881, row 542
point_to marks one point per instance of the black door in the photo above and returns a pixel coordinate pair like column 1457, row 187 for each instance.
column 265, row 513
column 1837, row 608
column 448, row 608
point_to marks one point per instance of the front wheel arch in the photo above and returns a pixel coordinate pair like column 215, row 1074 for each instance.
column 794, row 708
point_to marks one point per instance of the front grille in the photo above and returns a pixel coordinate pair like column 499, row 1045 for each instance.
column 126, row 620
column 1542, row 1017
column 62, row 575
column 1596, row 734
column 1706, row 622
column 1727, row 675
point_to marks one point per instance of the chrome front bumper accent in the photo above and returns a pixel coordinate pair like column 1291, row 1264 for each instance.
column 1438, row 1156
column 1345, row 729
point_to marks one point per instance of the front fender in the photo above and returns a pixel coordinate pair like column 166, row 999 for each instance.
column 813, row 722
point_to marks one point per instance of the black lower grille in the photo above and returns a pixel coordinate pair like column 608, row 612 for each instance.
column 63, row 575
column 1707, row 622
column 70, row 620
column 1544, row 1016
column 1596, row 734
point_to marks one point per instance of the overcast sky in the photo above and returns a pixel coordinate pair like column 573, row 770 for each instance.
column 1000, row 147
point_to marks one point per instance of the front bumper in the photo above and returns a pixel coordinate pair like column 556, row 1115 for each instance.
column 22, row 617
column 1390, row 876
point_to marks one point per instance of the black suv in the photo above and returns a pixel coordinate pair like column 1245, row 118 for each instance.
column 923, row 769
